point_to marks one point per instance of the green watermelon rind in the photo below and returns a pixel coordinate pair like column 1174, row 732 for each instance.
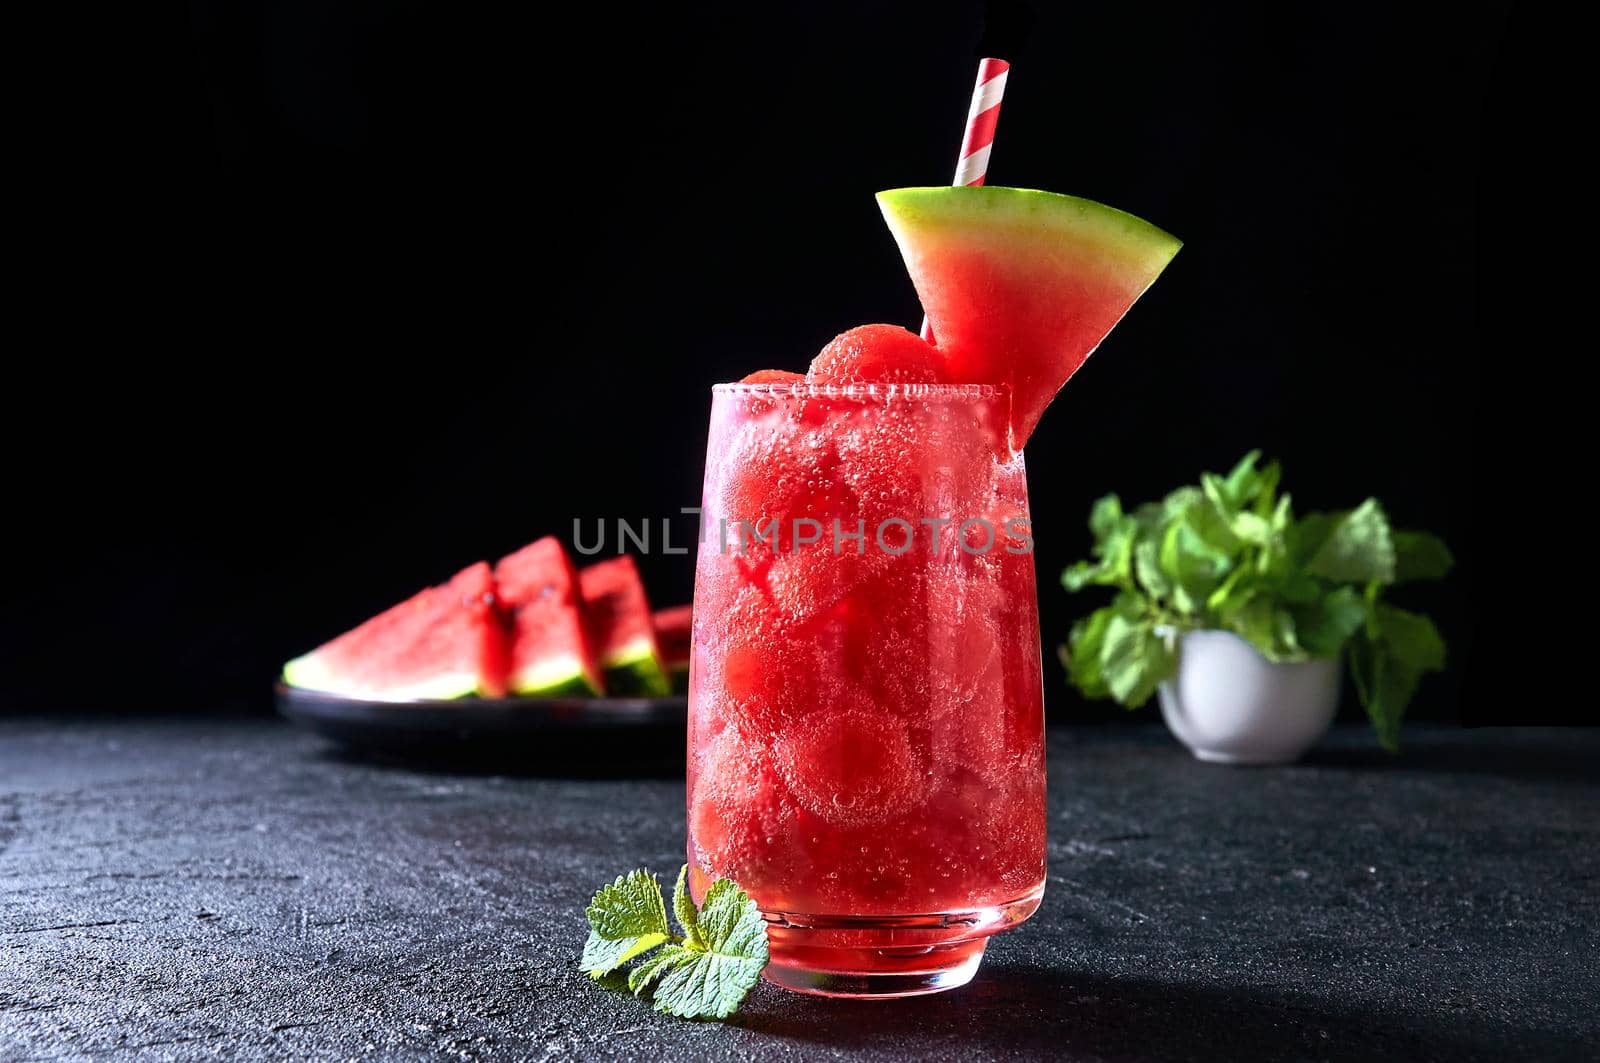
column 311, row 673
column 932, row 208
column 1073, row 268
column 635, row 671
column 554, row 678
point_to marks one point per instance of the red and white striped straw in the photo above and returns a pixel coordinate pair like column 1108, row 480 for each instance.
column 982, row 116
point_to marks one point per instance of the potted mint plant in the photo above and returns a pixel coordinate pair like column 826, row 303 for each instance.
column 1235, row 614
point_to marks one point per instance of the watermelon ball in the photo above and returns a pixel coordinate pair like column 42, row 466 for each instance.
column 1019, row 846
column 849, row 765
column 741, row 672
column 877, row 354
column 986, row 839
column 764, row 686
column 773, row 376
column 881, row 461
column 730, row 608
column 970, row 834
column 806, row 583
column 739, row 816
column 884, row 647
column 966, row 621
column 775, row 472
column 759, row 405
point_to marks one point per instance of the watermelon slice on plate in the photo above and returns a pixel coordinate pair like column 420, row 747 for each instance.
column 617, row 614
column 551, row 655
column 674, row 634
column 1020, row 286
column 446, row 642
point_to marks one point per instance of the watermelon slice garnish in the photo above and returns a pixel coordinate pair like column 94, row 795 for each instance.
column 1020, row 286
column 446, row 642
column 551, row 654
column 675, row 636
column 617, row 614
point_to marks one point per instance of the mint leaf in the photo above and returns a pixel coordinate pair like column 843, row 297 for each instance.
column 1281, row 518
column 1359, row 547
column 602, row 956
column 1086, row 573
column 1216, row 491
column 1324, row 625
column 626, row 918
column 1193, row 565
column 1299, row 588
column 1419, row 555
column 1113, row 551
column 711, row 981
column 1212, row 528
column 1308, row 534
column 703, row 975
column 1243, row 482
column 1251, row 528
column 683, row 908
column 1134, row 660
column 1267, row 504
column 657, row 964
column 1105, row 516
column 1221, row 601
column 1149, row 569
column 1387, row 661
column 1384, row 686
column 1286, row 639
column 1114, row 533
column 1411, row 638
column 1177, row 503
column 1081, row 654
column 1266, row 625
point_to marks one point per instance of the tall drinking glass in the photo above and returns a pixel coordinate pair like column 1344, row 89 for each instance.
column 866, row 725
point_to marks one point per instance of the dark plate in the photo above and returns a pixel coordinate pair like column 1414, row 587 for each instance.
column 541, row 732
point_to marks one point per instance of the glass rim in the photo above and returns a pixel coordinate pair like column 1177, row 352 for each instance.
column 970, row 392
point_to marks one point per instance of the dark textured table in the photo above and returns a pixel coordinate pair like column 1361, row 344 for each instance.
column 181, row 889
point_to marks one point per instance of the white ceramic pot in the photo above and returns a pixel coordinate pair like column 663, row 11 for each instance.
column 1230, row 705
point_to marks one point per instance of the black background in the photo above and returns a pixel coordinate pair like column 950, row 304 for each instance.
column 349, row 295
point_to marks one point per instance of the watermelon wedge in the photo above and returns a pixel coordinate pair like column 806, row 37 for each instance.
column 617, row 616
column 446, row 642
column 1020, row 286
column 674, row 634
column 551, row 655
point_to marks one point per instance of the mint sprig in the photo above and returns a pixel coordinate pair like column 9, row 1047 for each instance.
column 1229, row 554
column 626, row 919
column 703, row 974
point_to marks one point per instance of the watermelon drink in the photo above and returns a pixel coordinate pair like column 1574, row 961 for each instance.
column 866, row 733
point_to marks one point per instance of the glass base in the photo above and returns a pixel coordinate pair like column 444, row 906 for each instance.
column 875, row 973
column 880, row 957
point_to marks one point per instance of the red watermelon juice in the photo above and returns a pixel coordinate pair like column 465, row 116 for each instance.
column 866, row 739
column 866, row 720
